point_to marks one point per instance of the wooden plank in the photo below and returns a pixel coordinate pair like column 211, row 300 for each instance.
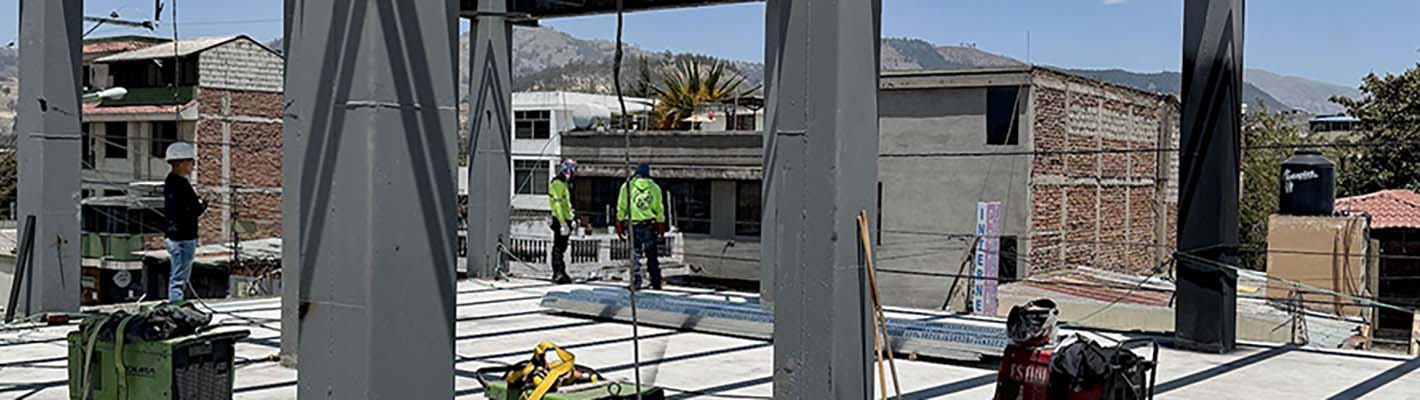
column 1415, row 335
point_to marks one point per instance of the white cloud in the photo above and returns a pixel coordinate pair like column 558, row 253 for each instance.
column 1114, row 2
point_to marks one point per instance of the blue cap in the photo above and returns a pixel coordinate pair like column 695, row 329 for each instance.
column 643, row 170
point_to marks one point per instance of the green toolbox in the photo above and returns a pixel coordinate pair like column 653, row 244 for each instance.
column 194, row 367
column 604, row 390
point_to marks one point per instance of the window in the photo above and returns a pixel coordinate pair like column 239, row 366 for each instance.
column 530, row 176
column 164, row 134
column 689, row 204
column 536, row 124
column 1003, row 115
column 153, row 73
column 747, row 208
column 116, row 140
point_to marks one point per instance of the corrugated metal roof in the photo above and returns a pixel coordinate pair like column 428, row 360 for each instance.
column 1336, row 118
column 1397, row 208
column 165, row 50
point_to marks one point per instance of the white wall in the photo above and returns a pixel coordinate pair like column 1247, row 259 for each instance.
column 240, row 65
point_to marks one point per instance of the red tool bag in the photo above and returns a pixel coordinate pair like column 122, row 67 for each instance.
column 1024, row 374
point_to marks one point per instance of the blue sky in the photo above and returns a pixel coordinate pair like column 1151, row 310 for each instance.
column 1329, row 40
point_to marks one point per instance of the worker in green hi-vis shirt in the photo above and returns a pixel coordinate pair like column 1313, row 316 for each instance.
column 562, row 217
column 640, row 203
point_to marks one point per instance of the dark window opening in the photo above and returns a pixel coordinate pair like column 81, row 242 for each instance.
column 116, row 140
column 689, row 204
column 153, row 73
column 1003, row 116
column 164, row 134
column 747, row 208
column 536, row 124
column 530, row 176
column 1008, row 270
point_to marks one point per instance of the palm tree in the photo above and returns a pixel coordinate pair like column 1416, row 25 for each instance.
column 688, row 86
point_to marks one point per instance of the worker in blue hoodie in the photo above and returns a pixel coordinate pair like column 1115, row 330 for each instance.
column 639, row 204
column 181, row 208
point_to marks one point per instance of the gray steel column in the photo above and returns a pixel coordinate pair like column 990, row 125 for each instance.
column 372, row 92
column 293, row 145
column 48, row 145
column 821, row 166
column 1209, row 165
column 490, row 137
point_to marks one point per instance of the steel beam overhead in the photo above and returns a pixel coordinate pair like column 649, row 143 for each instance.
column 490, row 138
column 371, row 92
column 821, row 168
column 1209, row 165
column 48, row 149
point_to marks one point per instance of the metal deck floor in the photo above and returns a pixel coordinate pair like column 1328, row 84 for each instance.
column 501, row 322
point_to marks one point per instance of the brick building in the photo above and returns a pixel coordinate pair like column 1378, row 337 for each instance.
column 222, row 94
column 1076, row 163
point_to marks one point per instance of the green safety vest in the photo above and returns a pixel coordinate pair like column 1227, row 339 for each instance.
column 561, row 201
column 644, row 200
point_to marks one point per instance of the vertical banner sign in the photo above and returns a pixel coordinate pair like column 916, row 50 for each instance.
column 988, row 229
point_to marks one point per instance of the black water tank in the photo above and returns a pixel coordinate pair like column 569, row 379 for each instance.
column 1308, row 184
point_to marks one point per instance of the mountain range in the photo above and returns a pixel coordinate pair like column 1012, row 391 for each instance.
column 546, row 59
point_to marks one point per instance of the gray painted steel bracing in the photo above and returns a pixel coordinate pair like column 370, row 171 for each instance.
column 820, row 170
column 1206, row 316
column 490, row 138
column 48, row 145
column 372, row 97
column 293, row 146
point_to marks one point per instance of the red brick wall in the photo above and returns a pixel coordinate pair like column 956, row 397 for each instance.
column 1094, row 178
column 247, row 189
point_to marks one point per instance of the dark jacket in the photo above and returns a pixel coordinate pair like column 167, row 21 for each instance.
column 181, row 207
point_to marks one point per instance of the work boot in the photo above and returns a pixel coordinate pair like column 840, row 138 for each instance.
column 561, row 279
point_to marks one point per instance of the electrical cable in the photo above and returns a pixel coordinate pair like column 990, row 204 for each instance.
column 626, row 187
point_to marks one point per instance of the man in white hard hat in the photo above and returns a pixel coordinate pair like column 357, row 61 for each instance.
column 181, row 207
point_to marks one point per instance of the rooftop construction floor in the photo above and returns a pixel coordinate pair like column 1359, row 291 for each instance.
column 501, row 322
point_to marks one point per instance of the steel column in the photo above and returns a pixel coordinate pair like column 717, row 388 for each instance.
column 821, row 168
column 48, row 150
column 1209, row 167
column 371, row 89
column 293, row 139
column 490, row 138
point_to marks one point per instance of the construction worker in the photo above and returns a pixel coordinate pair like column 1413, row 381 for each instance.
column 181, row 208
column 639, row 204
column 562, row 217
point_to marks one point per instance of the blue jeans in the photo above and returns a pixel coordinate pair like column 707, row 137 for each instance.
column 644, row 239
column 180, row 253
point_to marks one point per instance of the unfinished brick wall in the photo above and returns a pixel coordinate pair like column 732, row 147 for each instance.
column 239, row 137
column 1096, row 176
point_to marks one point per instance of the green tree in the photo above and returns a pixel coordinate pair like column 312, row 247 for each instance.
column 688, row 86
column 1267, row 136
column 1389, row 110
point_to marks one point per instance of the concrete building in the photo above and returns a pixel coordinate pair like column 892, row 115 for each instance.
column 1395, row 225
column 540, row 119
column 223, row 94
column 1076, row 164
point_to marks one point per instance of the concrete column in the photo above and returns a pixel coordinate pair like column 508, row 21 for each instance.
column 490, row 137
column 371, row 124
column 722, row 209
column 820, row 170
column 48, row 149
column 1209, row 165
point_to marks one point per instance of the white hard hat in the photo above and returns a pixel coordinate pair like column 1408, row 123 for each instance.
column 180, row 151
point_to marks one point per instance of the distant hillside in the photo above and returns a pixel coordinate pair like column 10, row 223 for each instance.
column 903, row 54
column 1170, row 82
column 1300, row 93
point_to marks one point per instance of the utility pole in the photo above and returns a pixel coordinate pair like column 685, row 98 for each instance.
column 1209, row 164
column 821, row 169
column 48, row 146
column 371, row 89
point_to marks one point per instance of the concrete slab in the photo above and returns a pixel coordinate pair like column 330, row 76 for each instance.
column 501, row 322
